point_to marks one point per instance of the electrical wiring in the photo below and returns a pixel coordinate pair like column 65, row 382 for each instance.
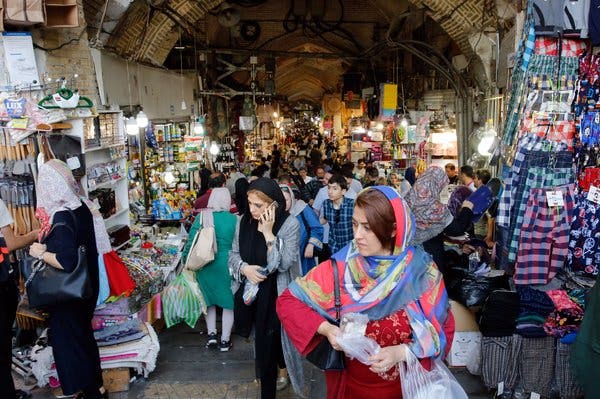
column 74, row 40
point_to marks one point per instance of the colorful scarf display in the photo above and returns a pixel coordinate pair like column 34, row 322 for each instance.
column 381, row 285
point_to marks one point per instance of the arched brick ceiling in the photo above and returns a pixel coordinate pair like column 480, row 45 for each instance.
column 459, row 18
column 308, row 78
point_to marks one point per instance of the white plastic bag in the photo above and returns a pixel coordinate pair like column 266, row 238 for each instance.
column 418, row 383
column 352, row 339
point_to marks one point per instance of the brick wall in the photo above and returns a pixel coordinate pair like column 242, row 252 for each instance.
column 72, row 58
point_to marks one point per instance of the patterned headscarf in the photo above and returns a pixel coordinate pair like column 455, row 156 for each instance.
column 458, row 196
column 57, row 190
column 379, row 286
column 220, row 199
column 431, row 215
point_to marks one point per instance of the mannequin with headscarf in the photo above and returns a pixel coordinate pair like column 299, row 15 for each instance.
column 265, row 252
column 70, row 324
column 383, row 277
column 214, row 278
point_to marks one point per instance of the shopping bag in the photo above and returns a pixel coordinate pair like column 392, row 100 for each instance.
column 204, row 246
column 182, row 300
column 418, row 383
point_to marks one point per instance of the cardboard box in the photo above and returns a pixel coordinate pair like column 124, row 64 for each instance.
column 466, row 347
column 116, row 380
column 463, row 317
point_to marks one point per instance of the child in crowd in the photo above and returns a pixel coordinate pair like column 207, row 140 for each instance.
column 337, row 211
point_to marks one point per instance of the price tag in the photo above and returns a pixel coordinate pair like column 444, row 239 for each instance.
column 555, row 198
column 73, row 163
column 594, row 195
column 535, row 395
column 500, row 388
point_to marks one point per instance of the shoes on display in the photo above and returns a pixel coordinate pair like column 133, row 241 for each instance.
column 212, row 341
column 225, row 346
column 282, row 383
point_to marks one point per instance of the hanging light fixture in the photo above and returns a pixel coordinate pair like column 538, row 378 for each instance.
column 131, row 126
column 214, row 148
column 142, row 119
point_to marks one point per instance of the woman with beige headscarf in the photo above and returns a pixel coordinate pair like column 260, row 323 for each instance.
column 214, row 278
column 70, row 324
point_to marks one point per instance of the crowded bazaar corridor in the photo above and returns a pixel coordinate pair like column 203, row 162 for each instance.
column 326, row 199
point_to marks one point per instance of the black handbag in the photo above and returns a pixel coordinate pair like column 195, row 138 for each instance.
column 48, row 286
column 323, row 355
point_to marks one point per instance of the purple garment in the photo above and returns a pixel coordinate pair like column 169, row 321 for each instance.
column 458, row 196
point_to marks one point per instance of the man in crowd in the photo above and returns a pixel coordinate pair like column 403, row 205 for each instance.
column 310, row 190
column 371, row 176
column 337, row 211
column 451, row 173
column 234, row 175
column 482, row 177
column 467, row 177
column 359, row 171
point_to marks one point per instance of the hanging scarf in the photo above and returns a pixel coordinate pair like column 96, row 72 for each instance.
column 431, row 215
column 57, row 190
column 379, row 286
column 253, row 248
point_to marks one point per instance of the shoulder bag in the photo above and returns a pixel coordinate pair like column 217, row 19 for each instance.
column 204, row 246
column 323, row 355
column 48, row 286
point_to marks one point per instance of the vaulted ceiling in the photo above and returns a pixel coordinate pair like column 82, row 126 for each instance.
column 351, row 31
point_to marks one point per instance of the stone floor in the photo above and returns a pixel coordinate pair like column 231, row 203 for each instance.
column 186, row 369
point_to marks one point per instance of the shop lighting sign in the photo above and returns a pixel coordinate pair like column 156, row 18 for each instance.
column 388, row 101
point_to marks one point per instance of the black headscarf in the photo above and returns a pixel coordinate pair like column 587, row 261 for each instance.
column 241, row 195
column 253, row 248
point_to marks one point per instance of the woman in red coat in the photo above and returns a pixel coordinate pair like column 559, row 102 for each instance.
column 398, row 286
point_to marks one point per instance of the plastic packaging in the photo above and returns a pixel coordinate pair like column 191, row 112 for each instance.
column 251, row 289
column 418, row 383
column 352, row 338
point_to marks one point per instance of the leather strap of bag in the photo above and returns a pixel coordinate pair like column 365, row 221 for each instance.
column 336, row 290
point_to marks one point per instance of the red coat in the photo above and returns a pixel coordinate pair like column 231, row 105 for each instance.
column 356, row 380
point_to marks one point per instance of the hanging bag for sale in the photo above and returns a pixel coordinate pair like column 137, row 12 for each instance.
column 182, row 300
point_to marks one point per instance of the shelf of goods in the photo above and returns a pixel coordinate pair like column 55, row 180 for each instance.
column 168, row 169
column 104, row 158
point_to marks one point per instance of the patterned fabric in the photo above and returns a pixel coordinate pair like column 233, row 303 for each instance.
column 340, row 223
column 500, row 357
column 567, row 315
column 458, row 196
column 549, row 46
column 381, row 285
column 431, row 215
column 56, row 191
column 543, row 246
column 566, row 382
column 584, row 238
column 536, row 366
column 536, row 178
column 389, row 331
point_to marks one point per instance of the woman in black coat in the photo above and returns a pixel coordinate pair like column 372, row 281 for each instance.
column 67, row 223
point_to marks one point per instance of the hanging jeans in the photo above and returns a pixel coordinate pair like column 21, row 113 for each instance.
column 544, row 240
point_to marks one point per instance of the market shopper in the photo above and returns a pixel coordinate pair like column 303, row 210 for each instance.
column 214, row 278
column 433, row 219
column 265, row 253
column 311, row 230
column 396, row 285
column 337, row 212
column 399, row 183
column 70, row 324
column 9, row 297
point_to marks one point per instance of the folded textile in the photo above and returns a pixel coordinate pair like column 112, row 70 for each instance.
column 128, row 327
column 120, row 340
column 535, row 301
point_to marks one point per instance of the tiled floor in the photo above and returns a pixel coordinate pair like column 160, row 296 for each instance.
column 186, row 369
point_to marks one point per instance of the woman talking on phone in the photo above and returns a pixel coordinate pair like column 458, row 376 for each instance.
column 265, row 255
